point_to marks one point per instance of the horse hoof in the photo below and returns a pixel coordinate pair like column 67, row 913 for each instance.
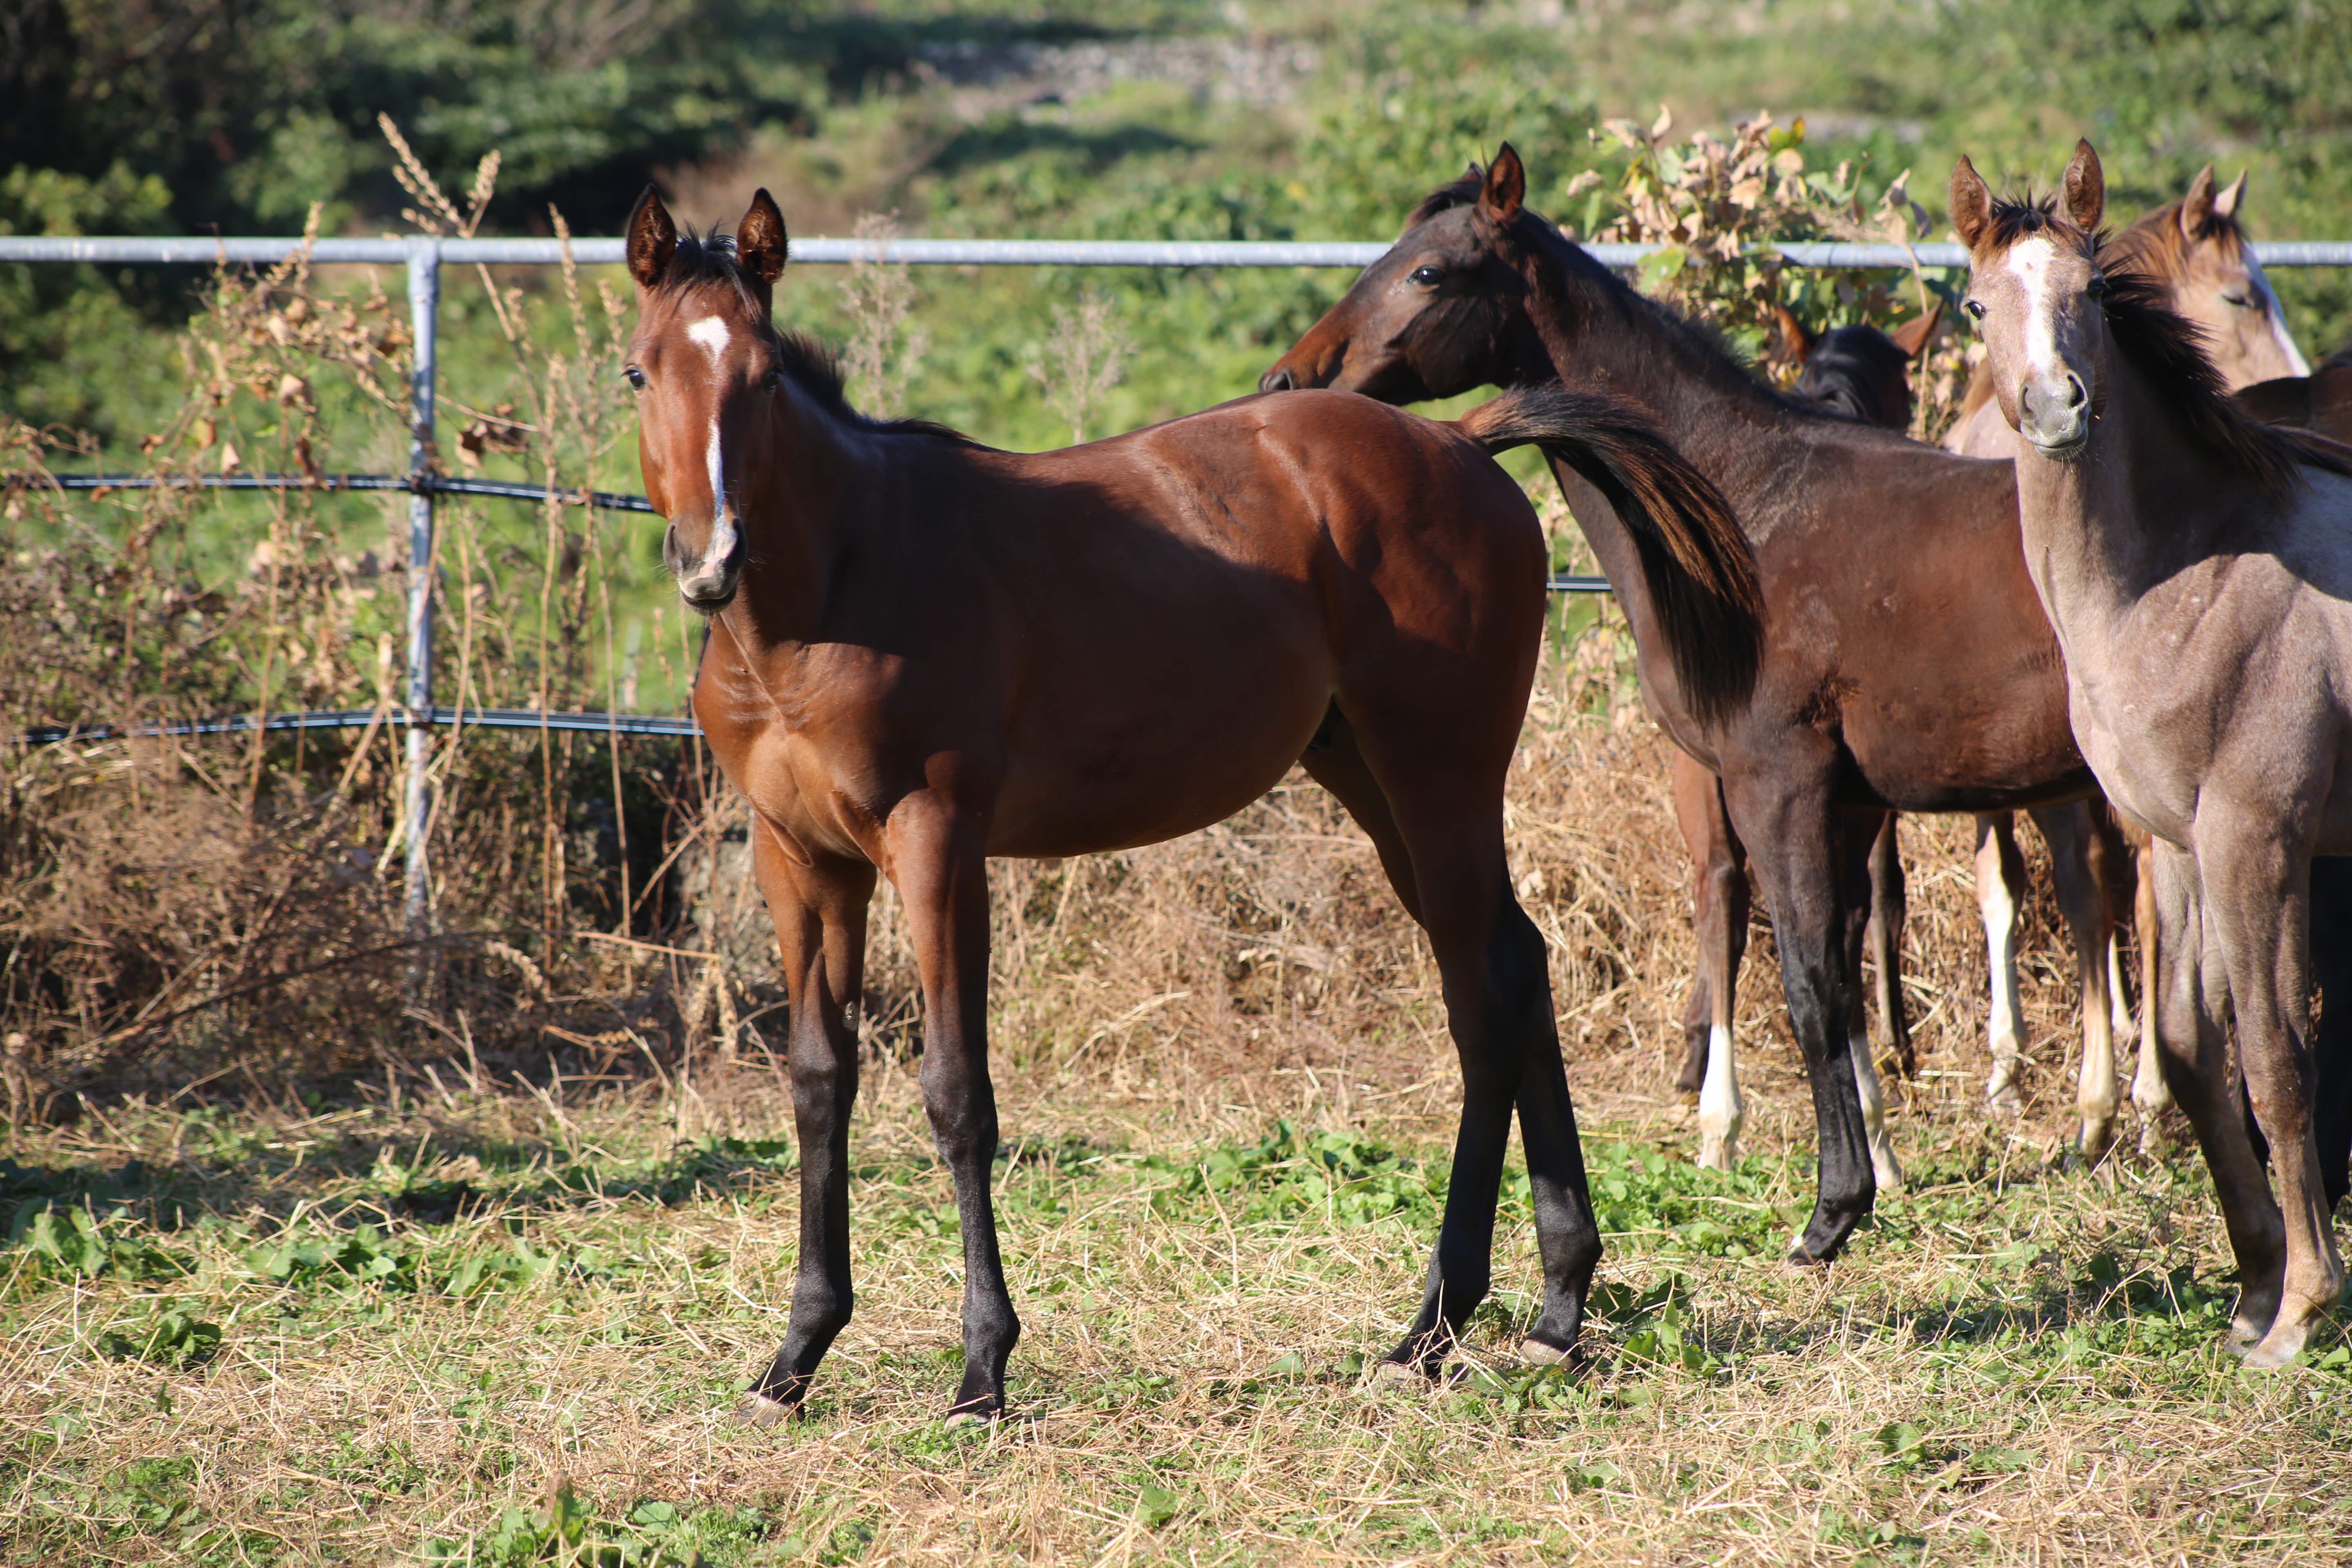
column 1395, row 1374
column 1535, row 1353
column 760, row 1412
column 2278, row 1348
column 960, row 1419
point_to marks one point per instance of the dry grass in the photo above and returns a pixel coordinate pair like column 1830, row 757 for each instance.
column 2016, row 1363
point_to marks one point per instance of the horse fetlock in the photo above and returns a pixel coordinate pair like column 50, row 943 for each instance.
column 1721, row 1112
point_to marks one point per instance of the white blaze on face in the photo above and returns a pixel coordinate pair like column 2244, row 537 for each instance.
column 711, row 333
column 2029, row 263
column 2297, row 365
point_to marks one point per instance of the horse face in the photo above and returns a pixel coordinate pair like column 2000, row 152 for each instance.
column 704, row 365
column 2033, row 292
column 1432, row 318
column 2222, row 288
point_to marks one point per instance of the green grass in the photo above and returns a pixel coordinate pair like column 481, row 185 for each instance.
column 510, row 1329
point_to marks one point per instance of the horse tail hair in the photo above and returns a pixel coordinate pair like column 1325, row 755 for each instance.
column 1698, row 568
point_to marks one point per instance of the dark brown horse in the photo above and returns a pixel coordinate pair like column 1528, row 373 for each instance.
column 924, row 653
column 1907, row 663
column 1856, row 373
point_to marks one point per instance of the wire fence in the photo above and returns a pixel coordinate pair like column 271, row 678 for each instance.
column 422, row 256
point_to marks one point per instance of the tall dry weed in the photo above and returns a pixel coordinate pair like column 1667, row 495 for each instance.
column 184, row 914
column 1084, row 358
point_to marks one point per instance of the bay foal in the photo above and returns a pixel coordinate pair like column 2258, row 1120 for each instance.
column 2197, row 566
column 923, row 653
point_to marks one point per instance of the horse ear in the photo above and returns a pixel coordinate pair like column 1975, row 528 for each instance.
column 1796, row 344
column 2086, row 188
column 1971, row 203
column 2197, row 206
column 761, row 244
column 653, row 239
column 1506, row 190
column 2225, row 206
column 1913, row 335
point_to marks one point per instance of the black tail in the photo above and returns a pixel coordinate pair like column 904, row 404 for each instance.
column 1696, row 565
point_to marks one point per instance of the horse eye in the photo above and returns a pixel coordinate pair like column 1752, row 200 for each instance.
column 636, row 378
column 1429, row 277
column 2096, row 289
column 1975, row 308
column 2240, row 300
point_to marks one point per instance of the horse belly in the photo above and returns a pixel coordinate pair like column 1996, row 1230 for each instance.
column 1121, row 797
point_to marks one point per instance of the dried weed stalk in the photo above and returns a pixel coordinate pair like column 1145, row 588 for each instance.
column 885, row 345
column 1084, row 358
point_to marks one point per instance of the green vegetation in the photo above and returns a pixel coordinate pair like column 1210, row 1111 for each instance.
column 503, row 1330
column 1081, row 117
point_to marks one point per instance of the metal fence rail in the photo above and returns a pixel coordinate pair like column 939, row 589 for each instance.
column 422, row 258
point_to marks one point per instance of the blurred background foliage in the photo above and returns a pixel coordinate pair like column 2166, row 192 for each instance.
column 1201, row 118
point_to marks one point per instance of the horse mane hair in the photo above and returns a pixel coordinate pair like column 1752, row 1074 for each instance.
column 2168, row 351
column 1576, row 265
column 816, row 368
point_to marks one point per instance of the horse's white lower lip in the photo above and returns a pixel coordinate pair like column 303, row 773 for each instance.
column 2063, row 451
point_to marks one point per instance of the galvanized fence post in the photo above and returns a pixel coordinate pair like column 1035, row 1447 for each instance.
column 424, row 299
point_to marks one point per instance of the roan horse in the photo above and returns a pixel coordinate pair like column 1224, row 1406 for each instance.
column 923, row 653
column 2197, row 249
column 2195, row 564
column 1907, row 663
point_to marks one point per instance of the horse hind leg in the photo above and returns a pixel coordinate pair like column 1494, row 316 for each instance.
column 1719, row 895
column 2001, row 888
column 1442, row 844
column 2078, row 867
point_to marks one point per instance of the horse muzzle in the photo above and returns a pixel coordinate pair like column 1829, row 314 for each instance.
column 2056, row 419
column 707, row 585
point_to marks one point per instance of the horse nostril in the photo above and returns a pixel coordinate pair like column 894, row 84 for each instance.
column 1276, row 380
column 2075, row 395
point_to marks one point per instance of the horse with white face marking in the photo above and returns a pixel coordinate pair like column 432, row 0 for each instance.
column 2195, row 566
column 924, row 654
column 2198, row 249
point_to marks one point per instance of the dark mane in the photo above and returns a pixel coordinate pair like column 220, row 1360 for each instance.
column 1588, row 287
column 710, row 259
column 1461, row 193
column 2169, row 352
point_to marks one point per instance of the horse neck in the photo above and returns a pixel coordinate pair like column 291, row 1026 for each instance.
column 814, row 474
column 1724, row 421
column 2145, row 497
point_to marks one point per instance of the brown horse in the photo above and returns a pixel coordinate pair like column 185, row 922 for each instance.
column 1862, row 373
column 924, row 653
column 2195, row 564
column 1907, row 663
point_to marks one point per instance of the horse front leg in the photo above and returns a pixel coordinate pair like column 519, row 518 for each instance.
column 1860, row 834
column 2078, row 867
column 819, row 908
column 1719, row 895
column 2151, row 1091
column 1785, row 817
column 2186, row 1012
column 938, row 863
column 2000, row 890
column 2257, row 891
